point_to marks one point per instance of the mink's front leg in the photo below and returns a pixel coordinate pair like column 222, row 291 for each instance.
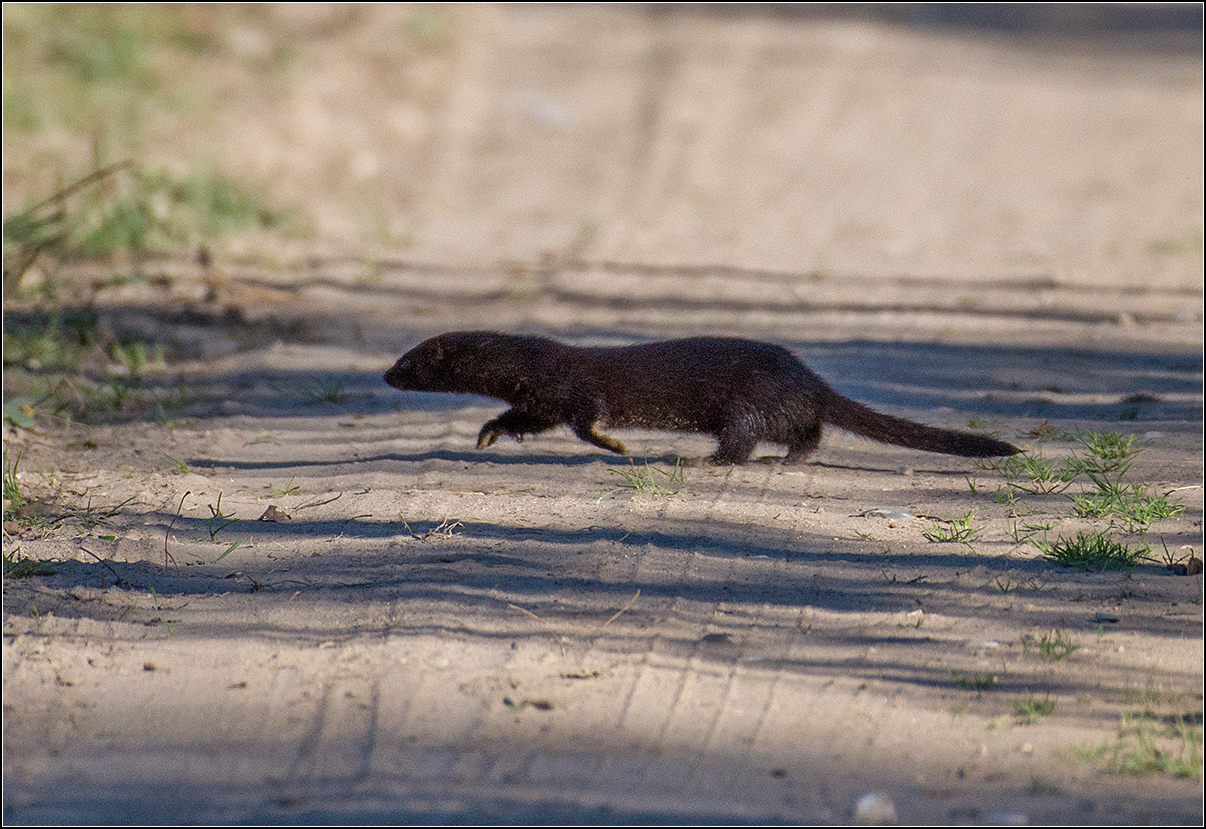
column 513, row 422
column 590, row 435
column 585, row 415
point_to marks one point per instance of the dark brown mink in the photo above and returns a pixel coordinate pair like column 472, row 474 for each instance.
column 739, row 391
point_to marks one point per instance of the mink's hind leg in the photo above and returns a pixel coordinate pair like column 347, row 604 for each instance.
column 803, row 444
column 736, row 444
column 512, row 422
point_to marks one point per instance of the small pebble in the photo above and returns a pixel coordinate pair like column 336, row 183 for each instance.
column 894, row 513
column 875, row 809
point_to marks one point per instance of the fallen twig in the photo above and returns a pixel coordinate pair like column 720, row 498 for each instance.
column 319, row 503
column 622, row 609
column 166, row 554
column 528, row 612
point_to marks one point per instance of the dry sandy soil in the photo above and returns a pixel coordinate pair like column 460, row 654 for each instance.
column 948, row 226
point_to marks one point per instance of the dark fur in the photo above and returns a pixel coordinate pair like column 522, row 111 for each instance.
column 739, row 391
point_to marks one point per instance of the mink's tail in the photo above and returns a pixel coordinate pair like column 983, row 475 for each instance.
column 861, row 420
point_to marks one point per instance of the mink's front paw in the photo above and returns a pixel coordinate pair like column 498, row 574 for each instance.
column 492, row 432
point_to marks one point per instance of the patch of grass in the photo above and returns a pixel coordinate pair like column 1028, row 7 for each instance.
column 115, row 393
column 14, row 502
column 1108, row 453
column 16, row 567
column 229, row 550
column 97, row 47
column 1134, row 504
column 1092, row 552
column 957, row 529
column 109, row 397
column 1102, row 503
column 282, row 491
column 1171, row 560
column 178, row 466
column 1043, row 474
column 1036, row 584
column 1028, row 708
column 1017, row 507
column 1053, row 646
column 1103, row 458
column 56, row 341
column 218, row 521
column 1048, row 431
column 1143, row 747
column 134, row 355
column 978, row 681
column 646, row 480
column 63, row 363
column 166, row 404
column 90, row 518
column 329, row 390
column 139, row 212
column 1033, row 474
column 1151, row 695
column 99, row 73
column 200, row 559
column 1030, row 530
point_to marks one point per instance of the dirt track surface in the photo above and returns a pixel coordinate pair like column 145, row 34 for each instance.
column 946, row 227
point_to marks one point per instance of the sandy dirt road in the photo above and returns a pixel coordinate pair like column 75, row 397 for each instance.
column 960, row 229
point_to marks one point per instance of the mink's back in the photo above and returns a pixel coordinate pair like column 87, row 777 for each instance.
column 697, row 384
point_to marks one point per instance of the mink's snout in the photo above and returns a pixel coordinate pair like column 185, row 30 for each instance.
column 396, row 376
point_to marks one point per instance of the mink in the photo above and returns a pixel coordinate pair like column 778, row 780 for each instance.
column 739, row 391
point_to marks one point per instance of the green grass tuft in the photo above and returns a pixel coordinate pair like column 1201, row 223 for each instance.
column 645, row 479
column 1092, row 552
column 17, row 567
column 1029, row 708
column 14, row 502
column 957, row 529
column 1053, row 646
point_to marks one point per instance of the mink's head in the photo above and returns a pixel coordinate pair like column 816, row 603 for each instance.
column 420, row 368
column 444, row 363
